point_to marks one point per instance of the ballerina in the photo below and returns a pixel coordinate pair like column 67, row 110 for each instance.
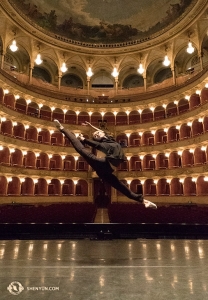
column 102, row 166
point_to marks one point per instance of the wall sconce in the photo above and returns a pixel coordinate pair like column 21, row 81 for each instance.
column 48, row 181
column 198, row 92
column 63, row 156
column 187, row 97
column 17, row 97
column 142, row 182
column 9, row 179
column 181, row 180
column 14, row 123
column 165, row 130
column 22, row 179
column 206, row 85
column 168, row 180
column 128, row 181
column 155, row 181
column 28, row 101
column 75, row 181
column 189, row 124
column 167, row 154
column 115, row 72
column 166, row 61
column 152, row 108
column 201, row 120
column 3, row 119
column 115, row 113
column 62, row 181
column 153, row 132
column 24, row 152
column 154, row 155
column 102, row 113
column 51, row 131
column 178, row 127
column 11, row 150
column 35, row 180
column 6, row 91
column 63, row 68
column 140, row 70
column 140, row 111
column 206, row 178
column 1, row 147
column 26, row 127
column 128, row 157
column 13, row 47
column 37, row 154
column 203, row 148
column 180, row 152
column 53, row 108
column 76, row 157
column 40, row 105
column 141, row 157
column 50, row 156
column 39, row 130
column 38, row 59
column 128, row 134
column 194, row 179
column 65, row 110
column 89, row 72
column 191, row 150
column 90, row 113
column 190, row 48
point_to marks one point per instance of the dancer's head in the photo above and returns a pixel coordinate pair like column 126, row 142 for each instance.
column 98, row 135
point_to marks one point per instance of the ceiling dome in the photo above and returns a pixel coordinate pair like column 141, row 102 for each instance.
column 104, row 21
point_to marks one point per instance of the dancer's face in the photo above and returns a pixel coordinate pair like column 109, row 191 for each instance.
column 98, row 135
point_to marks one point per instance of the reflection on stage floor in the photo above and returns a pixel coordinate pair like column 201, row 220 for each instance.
column 121, row 269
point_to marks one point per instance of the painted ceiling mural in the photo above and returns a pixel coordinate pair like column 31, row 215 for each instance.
column 104, row 21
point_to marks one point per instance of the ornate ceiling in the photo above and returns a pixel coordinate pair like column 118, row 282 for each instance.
column 104, row 21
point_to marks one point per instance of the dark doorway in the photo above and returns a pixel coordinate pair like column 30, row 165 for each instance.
column 102, row 193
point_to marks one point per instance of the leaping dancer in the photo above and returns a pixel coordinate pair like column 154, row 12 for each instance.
column 102, row 166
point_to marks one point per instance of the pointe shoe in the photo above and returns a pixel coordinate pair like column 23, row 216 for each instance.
column 149, row 204
column 58, row 124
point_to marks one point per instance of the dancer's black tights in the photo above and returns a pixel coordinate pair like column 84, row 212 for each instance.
column 101, row 167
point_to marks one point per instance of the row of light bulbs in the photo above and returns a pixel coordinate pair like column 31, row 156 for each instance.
column 28, row 101
column 35, row 180
column 13, row 47
column 76, row 157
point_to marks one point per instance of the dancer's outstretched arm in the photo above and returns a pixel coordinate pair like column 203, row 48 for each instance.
column 88, row 123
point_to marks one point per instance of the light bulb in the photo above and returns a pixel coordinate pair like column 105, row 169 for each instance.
column 115, row 72
column 38, row 60
column 64, row 68
column 190, row 48
column 166, row 61
column 140, row 69
column 13, row 47
column 89, row 72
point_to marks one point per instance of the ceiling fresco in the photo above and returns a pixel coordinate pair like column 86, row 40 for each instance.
column 104, row 21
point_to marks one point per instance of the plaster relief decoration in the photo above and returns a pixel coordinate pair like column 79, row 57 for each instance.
column 104, row 21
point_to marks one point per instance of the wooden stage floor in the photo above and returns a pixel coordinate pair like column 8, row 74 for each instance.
column 117, row 269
